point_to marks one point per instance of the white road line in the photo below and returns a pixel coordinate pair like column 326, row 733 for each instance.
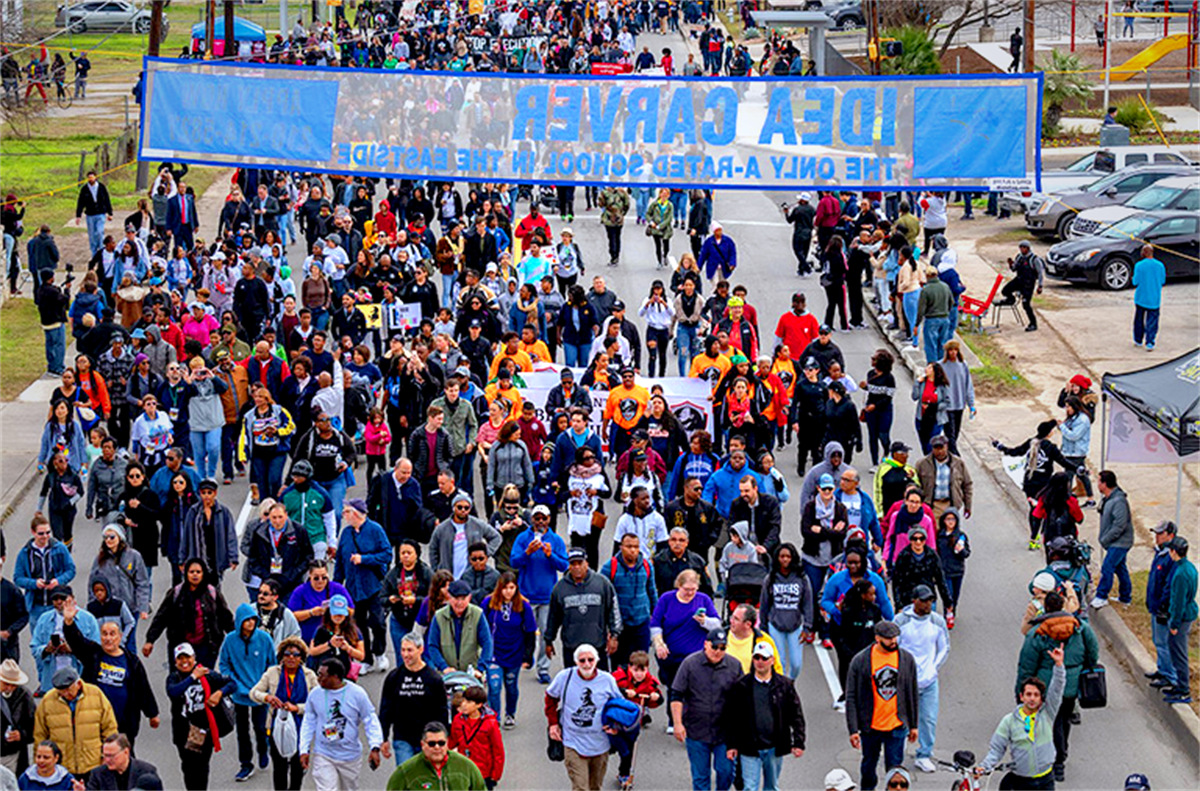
column 243, row 516
column 760, row 223
column 831, row 676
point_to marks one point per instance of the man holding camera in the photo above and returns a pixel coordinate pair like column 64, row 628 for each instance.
column 52, row 302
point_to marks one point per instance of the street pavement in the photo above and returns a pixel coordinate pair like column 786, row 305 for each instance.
column 976, row 681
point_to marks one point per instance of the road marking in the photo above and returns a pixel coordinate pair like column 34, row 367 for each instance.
column 759, row 223
column 243, row 516
column 831, row 676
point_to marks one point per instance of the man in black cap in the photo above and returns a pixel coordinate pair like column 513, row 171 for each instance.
column 893, row 477
column 583, row 605
column 881, row 702
column 566, row 395
column 1158, row 592
column 700, row 686
column 629, row 331
column 824, row 350
column 459, row 635
column 208, row 532
column 807, row 414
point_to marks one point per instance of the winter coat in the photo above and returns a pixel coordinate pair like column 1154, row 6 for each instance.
column 787, row 715
column 667, row 566
column 371, row 543
column 911, row 570
column 1080, row 650
column 538, row 571
column 459, row 772
column 441, row 544
column 140, row 701
column 418, row 450
column 245, row 660
column 509, row 462
column 55, row 563
column 811, row 541
column 105, row 483
column 293, row 550
column 140, row 772
column 953, row 561
column 223, row 531
column 1116, row 523
column 79, row 731
column 765, row 519
column 176, row 616
column 808, row 490
column 1033, row 755
column 126, row 578
column 961, row 486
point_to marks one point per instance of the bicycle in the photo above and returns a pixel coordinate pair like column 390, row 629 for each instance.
column 964, row 766
column 65, row 98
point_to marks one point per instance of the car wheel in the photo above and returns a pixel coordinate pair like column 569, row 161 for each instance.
column 1116, row 274
column 79, row 26
column 1063, row 229
column 142, row 25
column 849, row 23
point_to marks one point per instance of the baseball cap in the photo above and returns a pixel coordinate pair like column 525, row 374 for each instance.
column 886, row 629
column 618, row 305
column 459, row 588
column 61, row 592
column 1165, row 526
column 139, row 333
column 763, row 649
column 900, row 447
column 64, row 677
column 1137, row 782
column 804, row 196
column 207, row 483
column 576, row 553
column 303, row 468
column 463, row 371
column 541, row 509
column 718, row 637
column 221, row 355
column 628, row 369
column 826, row 482
column 825, row 330
column 811, row 364
column 339, row 606
column 736, row 302
column 838, row 779
column 939, row 441
column 1179, row 544
column 184, row 649
column 923, row 593
column 566, row 373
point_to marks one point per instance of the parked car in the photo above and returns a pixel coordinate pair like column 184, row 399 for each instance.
column 1085, row 170
column 1181, row 193
column 1054, row 217
column 118, row 15
column 1107, row 259
column 847, row 16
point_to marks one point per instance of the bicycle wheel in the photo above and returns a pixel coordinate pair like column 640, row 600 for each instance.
column 66, row 100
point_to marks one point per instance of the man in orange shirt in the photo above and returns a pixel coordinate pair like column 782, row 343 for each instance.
column 881, row 702
column 625, row 409
column 533, row 346
column 510, row 346
column 799, row 328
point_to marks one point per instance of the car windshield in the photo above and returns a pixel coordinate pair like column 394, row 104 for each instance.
column 1082, row 165
column 1153, row 197
column 1101, row 185
column 1129, row 228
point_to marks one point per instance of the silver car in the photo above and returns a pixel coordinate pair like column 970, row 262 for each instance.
column 105, row 15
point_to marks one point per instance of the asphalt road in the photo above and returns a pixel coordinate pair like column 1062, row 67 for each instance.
column 976, row 682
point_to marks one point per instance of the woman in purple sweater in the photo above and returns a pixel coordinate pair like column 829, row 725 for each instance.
column 680, row 623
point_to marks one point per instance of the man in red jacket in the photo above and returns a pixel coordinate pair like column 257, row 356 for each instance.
column 829, row 214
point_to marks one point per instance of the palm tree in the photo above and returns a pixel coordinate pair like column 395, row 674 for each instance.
column 919, row 55
column 1064, row 81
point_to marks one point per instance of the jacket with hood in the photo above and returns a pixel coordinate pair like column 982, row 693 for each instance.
column 139, row 696
column 927, row 639
column 733, row 554
column 33, row 564
column 30, row 780
column 1032, row 748
column 371, row 543
column 1116, row 523
column 808, row 490
column 223, row 531
column 840, row 582
column 953, row 560
column 245, row 659
column 585, row 612
column 480, row 740
column 105, row 483
column 722, row 487
column 311, row 507
column 126, row 578
column 79, row 730
column 787, row 601
column 110, row 609
column 441, row 545
column 634, row 587
column 1080, row 650
column 293, row 550
column 538, row 572
column 911, row 570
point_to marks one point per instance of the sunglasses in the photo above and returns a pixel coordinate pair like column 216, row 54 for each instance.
column 915, row 539
column 761, row 658
column 897, row 784
column 42, row 533
column 585, row 660
column 436, row 743
column 292, row 653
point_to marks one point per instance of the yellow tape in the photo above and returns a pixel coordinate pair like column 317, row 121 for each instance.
column 1054, row 199
column 76, row 184
column 1154, row 120
column 73, row 49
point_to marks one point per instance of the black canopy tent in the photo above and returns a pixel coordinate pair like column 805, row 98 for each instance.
column 1166, row 398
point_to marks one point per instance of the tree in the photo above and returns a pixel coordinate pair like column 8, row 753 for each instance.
column 1064, row 82
column 919, row 54
column 946, row 18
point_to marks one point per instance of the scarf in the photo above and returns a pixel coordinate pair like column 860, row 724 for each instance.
column 293, row 692
column 529, row 308
column 586, row 471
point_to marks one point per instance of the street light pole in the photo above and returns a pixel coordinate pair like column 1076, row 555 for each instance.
column 1028, row 64
column 142, row 181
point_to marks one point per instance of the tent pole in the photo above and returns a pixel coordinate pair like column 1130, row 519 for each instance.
column 1103, row 431
column 1178, row 488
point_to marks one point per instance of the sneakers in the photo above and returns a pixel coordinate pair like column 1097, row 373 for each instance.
column 1032, row 328
column 669, row 730
column 1137, row 344
column 925, row 765
column 380, row 665
column 1149, row 347
column 827, row 644
column 1035, row 545
column 264, row 760
column 510, row 722
column 244, row 774
column 624, row 782
column 543, row 678
column 1090, row 504
column 950, row 619
column 807, row 639
column 1097, row 603
column 1162, row 683
column 1180, row 697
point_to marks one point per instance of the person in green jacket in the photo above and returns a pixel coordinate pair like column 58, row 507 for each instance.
column 660, row 221
column 436, row 766
column 1028, row 733
column 1181, row 614
column 1058, row 628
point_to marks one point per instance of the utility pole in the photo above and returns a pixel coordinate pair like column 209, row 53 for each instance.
column 156, row 15
column 1027, row 64
column 210, row 27
column 283, row 18
column 231, row 49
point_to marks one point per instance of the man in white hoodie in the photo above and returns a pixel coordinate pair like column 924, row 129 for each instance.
column 923, row 634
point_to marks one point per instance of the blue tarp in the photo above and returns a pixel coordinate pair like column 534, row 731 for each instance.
column 243, row 30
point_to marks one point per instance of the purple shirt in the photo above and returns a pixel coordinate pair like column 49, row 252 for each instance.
column 305, row 598
column 683, row 635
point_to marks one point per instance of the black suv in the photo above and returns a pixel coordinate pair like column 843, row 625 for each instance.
column 1108, row 258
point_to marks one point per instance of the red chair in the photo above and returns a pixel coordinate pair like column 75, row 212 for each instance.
column 975, row 309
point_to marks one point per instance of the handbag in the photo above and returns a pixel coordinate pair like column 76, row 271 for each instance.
column 556, row 750
column 649, row 229
column 599, row 520
column 1093, row 688
column 284, row 735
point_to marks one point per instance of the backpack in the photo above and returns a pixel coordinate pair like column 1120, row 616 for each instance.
column 612, row 569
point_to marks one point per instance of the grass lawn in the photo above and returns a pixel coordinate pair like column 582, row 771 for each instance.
column 997, row 375
column 1138, row 619
column 56, row 168
column 21, row 343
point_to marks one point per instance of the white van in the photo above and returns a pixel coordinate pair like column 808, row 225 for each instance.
column 1181, row 193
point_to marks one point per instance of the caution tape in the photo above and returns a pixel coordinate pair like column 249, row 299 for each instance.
column 1058, row 201
column 57, row 190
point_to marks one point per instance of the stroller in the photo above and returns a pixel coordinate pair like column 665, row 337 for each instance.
column 744, row 585
column 458, row 680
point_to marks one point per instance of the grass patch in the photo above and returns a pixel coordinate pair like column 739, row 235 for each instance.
column 21, row 343
column 996, row 376
column 1008, row 237
column 1137, row 618
column 55, row 167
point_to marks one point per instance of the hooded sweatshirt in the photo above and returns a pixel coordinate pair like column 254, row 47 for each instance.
column 809, row 489
column 60, row 780
column 586, row 612
column 927, row 639
column 787, row 601
column 111, row 609
column 733, row 554
column 245, row 660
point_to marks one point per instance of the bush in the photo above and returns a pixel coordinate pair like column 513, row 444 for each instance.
column 919, row 56
column 751, row 32
column 1131, row 113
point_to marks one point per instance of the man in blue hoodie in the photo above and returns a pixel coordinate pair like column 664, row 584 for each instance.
column 43, row 564
column 364, row 553
column 722, row 487
column 539, row 555
column 1158, row 590
column 245, row 656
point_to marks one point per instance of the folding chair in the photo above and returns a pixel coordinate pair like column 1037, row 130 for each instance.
column 975, row 309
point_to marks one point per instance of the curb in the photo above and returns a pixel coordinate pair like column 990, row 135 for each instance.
column 25, row 483
column 1124, row 645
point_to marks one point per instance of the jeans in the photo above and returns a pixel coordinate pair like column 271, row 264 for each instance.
column 661, row 337
column 816, row 578
column 267, row 472
column 791, row 650
column 206, row 450
column 927, row 714
column 686, row 339
column 397, row 632
column 704, row 758
column 767, row 764
column 540, row 613
column 448, row 284
column 1179, row 654
column 95, row 229
column 56, row 349
column 576, row 355
column 337, row 493
column 403, row 750
column 879, row 431
column 1162, row 648
column 1145, row 324
column 937, row 332
column 251, row 723
column 910, row 301
column 464, row 472
column 507, row 677
column 954, row 588
column 642, row 197
column 229, row 440
column 285, row 228
column 882, row 294
column 679, row 202
column 892, row 745
column 1114, row 564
